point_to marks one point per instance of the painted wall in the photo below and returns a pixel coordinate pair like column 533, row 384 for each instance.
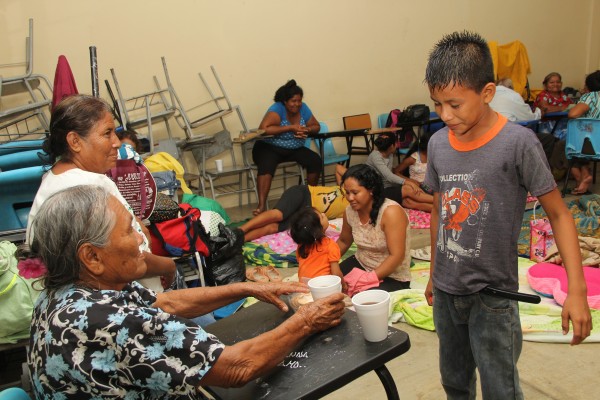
column 350, row 56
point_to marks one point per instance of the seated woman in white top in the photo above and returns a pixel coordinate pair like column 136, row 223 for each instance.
column 82, row 146
column 416, row 160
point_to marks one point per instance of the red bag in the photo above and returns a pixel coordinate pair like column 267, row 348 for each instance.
column 179, row 236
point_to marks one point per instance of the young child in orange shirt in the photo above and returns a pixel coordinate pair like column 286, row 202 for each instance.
column 317, row 254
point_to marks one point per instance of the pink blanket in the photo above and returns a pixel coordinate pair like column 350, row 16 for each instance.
column 550, row 280
column 419, row 219
column 282, row 243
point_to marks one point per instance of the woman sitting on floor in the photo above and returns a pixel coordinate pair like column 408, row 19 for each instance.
column 97, row 333
column 380, row 229
column 402, row 190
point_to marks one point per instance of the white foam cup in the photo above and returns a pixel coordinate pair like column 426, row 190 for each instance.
column 372, row 309
column 324, row 285
column 219, row 165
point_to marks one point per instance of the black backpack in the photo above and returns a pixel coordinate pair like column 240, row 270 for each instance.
column 416, row 113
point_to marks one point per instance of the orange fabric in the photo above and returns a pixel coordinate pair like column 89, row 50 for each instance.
column 511, row 61
column 479, row 142
column 319, row 259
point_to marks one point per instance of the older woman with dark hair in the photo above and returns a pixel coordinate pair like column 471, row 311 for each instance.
column 82, row 146
column 553, row 99
column 380, row 229
column 97, row 333
column 286, row 124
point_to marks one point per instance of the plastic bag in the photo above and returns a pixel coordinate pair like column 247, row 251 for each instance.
column 226, row 260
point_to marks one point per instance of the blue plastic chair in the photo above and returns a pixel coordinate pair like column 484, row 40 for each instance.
column 435, row 126
column 582, row 143
column 20, row 145
column 14, row 393
column 331, row 156
column 18, row 188
column 23, row 159
column 382, row 120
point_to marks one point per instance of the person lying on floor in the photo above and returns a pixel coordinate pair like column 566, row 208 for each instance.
column 325, row 199
column 97, row 333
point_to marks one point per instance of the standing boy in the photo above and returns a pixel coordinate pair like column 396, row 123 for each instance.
column 480, row 168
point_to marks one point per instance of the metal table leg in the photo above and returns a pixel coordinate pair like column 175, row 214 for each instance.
column 388, row 382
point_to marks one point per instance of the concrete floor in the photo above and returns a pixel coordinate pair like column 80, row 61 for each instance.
column 547, row 370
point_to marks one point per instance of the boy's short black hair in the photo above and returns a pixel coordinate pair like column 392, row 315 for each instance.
column 592, row 81
column 460, row 58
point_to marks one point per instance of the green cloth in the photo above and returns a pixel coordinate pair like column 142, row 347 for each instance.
column 17, row 297
column 256, row 254
column 410, row 306
column 205, row 204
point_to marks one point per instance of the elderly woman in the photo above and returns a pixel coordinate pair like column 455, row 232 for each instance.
column 82, row 146
column 97, row 333
column 380, row 229
column 286, row 125
column 553, row 99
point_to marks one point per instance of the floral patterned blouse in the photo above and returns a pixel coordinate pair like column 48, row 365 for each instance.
column 562, row 100
column 93, row 344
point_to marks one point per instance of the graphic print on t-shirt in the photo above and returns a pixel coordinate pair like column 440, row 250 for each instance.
column 463, row 210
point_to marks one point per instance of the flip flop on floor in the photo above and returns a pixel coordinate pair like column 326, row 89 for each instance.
column 256, row 274
column 421, row 254
column 272, row 273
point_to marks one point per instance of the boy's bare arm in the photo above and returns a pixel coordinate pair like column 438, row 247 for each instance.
column 433, row 232
column 575, row 307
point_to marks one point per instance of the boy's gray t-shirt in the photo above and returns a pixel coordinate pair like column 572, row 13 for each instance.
column 482, row 190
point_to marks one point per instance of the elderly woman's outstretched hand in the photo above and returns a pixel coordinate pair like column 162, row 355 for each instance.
column 270, row 292
column 323, row 313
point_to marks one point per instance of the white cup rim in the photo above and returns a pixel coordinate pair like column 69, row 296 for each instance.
column 356, row 298
column 336, row 278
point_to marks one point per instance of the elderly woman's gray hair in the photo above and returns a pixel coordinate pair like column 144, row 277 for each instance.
column 64, row 222
column 506, row 82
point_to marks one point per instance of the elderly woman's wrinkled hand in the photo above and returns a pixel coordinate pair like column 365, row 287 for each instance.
column 323, row 313
column 270, row 292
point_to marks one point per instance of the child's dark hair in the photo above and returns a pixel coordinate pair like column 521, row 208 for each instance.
column 287, row 91
column 384, row 141
column 592, row 81
column 421, row 144
column 371, row 180
column 306, row 230
column 460, row 58
column 131, row 135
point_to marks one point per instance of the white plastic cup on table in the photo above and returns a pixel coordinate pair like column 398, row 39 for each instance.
column 372, row 309
column 324, row 285
column 219, row 165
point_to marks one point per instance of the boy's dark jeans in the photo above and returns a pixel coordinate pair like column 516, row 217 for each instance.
column 482, row 331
